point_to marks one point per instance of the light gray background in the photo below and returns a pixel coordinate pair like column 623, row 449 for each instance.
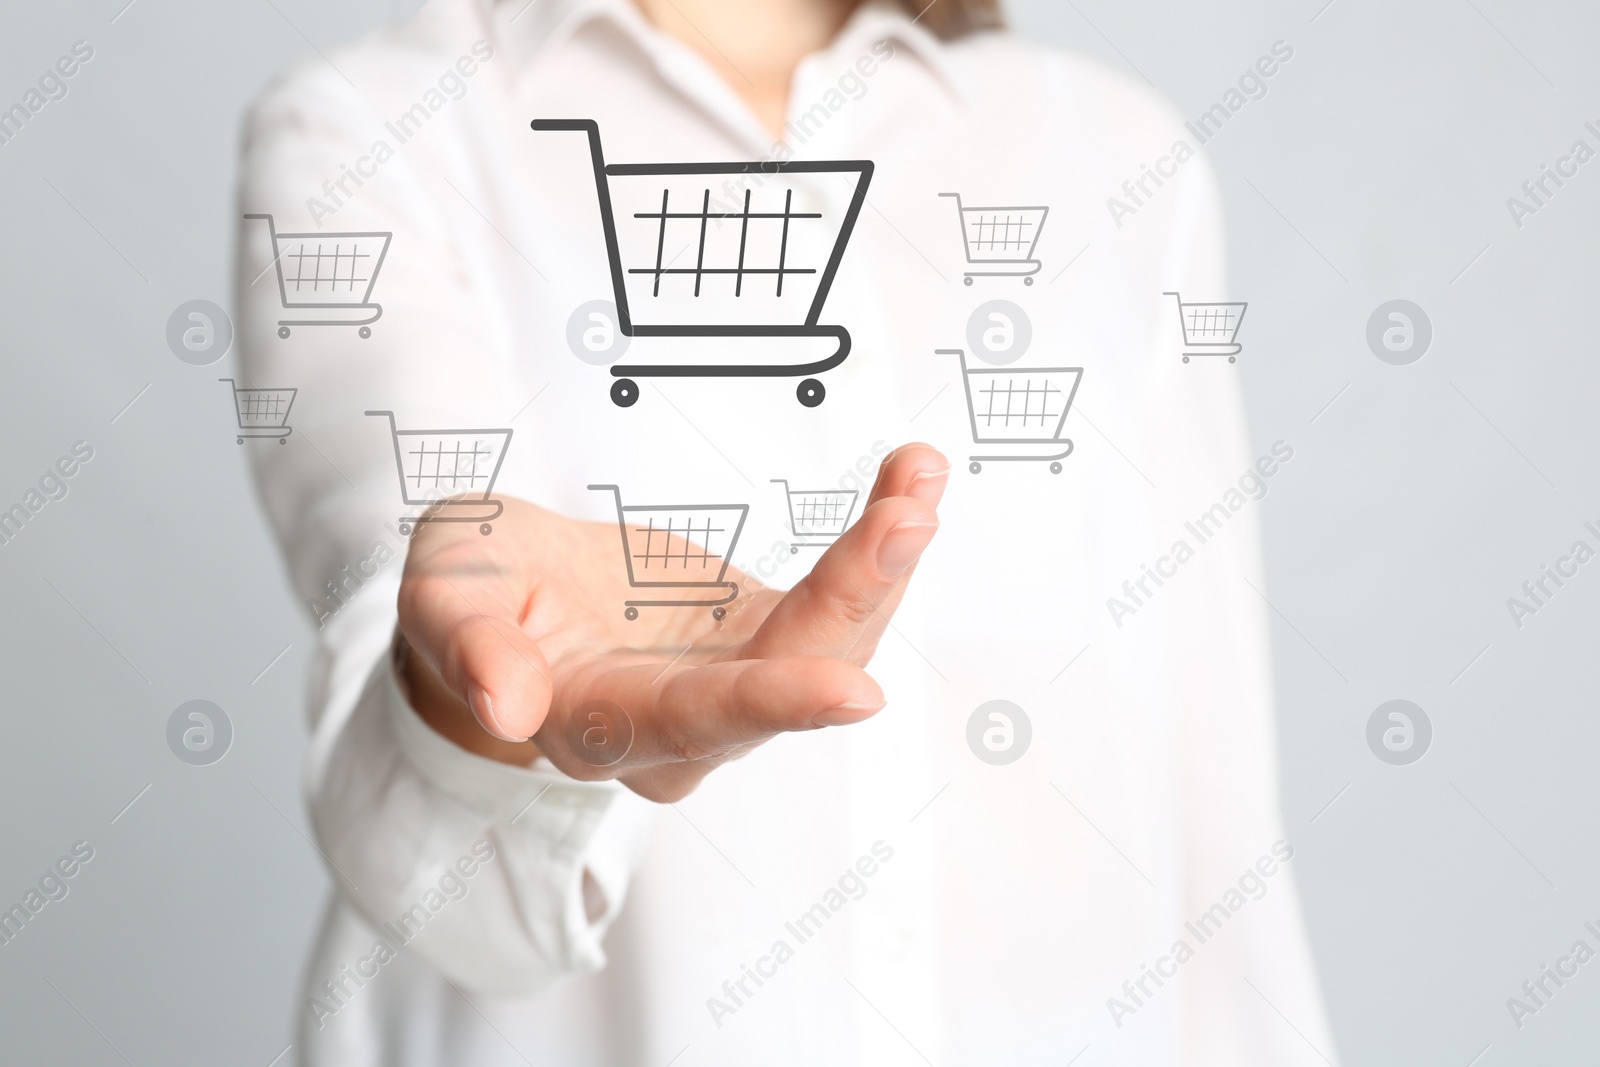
column 1377, row 167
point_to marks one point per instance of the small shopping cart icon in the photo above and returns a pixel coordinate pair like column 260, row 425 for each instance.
column 682, row 547
column 686, row 262
column 326, row 279
column 448, row 473
column 1210, row 329
column 817, row 516
column 262, row 412
column 1016, row 406
column 1000, row 240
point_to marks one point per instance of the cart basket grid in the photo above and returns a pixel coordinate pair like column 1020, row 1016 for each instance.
column 261, row 409
column 438, row 463
column 325, row 270
column 677, row 545
column 1209, row 324
column 745, row 234
column 1000, row 234
column 1019, row 405
column 819, row 512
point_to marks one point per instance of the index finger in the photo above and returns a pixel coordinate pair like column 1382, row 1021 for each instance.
column 460, row 605
column 843, row 606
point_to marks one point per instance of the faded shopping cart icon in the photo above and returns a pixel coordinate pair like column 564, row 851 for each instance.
column 262, row 412
column 817, row 516
column 326, row 279
column 448, row 473
column 679, row 546
column 686, row 262
column 1000, row 240
column 1019, row 406
column 1210, row 329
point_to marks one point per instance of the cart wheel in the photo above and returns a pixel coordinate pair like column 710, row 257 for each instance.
column 405, row 529
column 1186, row 359
column 967, row 280
column 794, row 550
column 975, row 466
column 1232, row 360
column 283, row 331
column 719, row 613
column 624, row 392
column 1027, row 281
column 240, row 440
column 1055, row 468
column 484, row 529
column 631, row 614
column 365, row 331
column 281, row 440
column 811, row 392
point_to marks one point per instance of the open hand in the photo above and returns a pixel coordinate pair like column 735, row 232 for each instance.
column 521, row 635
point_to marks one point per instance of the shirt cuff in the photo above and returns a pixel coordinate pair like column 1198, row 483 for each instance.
column 552, row 830
column 485, row 784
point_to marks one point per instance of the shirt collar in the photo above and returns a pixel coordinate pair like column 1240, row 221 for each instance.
column 527, row 27
column 878, row 20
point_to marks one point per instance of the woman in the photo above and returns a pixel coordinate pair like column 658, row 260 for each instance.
column 563, row 834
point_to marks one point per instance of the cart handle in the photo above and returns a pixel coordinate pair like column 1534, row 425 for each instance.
column 616, row 491
column 394, row 441
column 622, row 523
column 271, row 230
column 607, row 219
column 960, row 352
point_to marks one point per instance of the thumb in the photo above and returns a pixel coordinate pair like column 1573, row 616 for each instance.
column 460, row 610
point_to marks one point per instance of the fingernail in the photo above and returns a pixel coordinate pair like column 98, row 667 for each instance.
column 902, row 545
column 844, row 714
column 928, row 486
column 483, row 708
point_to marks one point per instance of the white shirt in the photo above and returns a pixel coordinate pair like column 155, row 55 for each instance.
column 960, row 912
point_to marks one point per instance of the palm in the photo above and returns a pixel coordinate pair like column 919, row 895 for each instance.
column 527, row 626
column 578, row 606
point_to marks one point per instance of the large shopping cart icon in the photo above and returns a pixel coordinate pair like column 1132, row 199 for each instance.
column 1000, row 240
column 1019, row 406
column 681, row 547
column 723, row 250
column 817, row 516
column 262, row 412
column 326, row 279
column 448, row 473
column 1210, row 329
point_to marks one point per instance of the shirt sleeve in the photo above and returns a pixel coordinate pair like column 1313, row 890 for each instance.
column 1251, row 996
column 394, row 806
